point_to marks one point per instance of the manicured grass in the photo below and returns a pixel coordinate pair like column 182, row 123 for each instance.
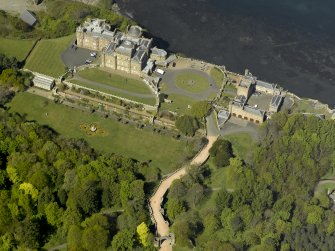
column 324, row 188
column 179, row 103
column 242, row 143
column 163, row 87
column 230, row 87
column 46, row 56
column 148, row 101
column 217, row 75
column 306, row 106
column 115, row 80
column 15, row 47
column 192, row 82
column 163, row 151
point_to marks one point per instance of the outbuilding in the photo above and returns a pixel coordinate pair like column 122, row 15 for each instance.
column 28, row 17
column 44, row 82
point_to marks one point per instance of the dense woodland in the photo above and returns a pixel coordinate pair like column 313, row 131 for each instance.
column 268, row 204
column 56, row 190
column 11, row 77
column 60, row 19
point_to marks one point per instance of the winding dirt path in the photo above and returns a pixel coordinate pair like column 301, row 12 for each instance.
column 157, row 198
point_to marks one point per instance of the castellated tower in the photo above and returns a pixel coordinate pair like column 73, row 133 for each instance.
column 80, row 36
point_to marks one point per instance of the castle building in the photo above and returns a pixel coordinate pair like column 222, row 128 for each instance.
column 265, row 87
column 275, row 103
column 128, row 52
column 95, row 35
column 246, row 112
column 246, row 86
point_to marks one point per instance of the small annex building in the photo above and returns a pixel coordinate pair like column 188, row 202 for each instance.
column 275, row 103
column 44, row 82
column 242, row 111
column 28, row 17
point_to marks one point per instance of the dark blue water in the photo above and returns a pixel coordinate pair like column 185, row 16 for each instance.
column 290, row 42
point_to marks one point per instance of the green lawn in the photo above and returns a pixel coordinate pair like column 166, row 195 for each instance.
column 306, row 106
column 46, row 56
column 163, row 87
column 242, row 144
column 192, row 82
column 148, row 101
column 179, row 103
column 115, row 80
column 164, row 152
column 217, row 75
column 15, row 47
column 324, row 188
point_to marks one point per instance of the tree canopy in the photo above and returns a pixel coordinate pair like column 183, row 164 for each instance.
column 201, row 109
column 187, row 125
column 54, row 188
column 269, row 204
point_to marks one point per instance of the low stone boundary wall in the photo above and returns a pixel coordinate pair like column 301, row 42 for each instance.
column 31, row 49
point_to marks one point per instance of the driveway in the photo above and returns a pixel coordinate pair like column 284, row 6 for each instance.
column 170, row 76
column 17, row 6
column 234, row 126
column 75, row 56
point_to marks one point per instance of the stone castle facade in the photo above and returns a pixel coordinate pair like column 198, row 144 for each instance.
column 124, row 51
column 247, row 85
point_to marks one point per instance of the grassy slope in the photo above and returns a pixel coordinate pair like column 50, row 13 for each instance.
column 217, row 75
column 15, row 47
column 46, row 56
column 148, row 101
column 242, row 144
column 179, row 103
column 200, row 83
column 126, row 140
column 115, row 80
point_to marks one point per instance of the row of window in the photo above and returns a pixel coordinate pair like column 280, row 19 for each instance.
column 246, row 118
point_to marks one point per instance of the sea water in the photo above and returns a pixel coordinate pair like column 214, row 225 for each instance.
column 289, row 42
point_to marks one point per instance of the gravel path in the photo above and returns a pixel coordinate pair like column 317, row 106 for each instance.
column 169, row 79
column 17, row 6
column 157, row 198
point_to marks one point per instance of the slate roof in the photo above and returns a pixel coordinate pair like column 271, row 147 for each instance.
column 145, row 43
column 139, row 56
column 241, row 99
column 135, row 31
column 159, row 52
column 266, row 85
column 254, row 110
column 126, row 48
column 28, row 17
column 276, row 100
column 111, row 48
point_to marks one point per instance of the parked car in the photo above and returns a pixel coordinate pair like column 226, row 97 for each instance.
column 93, row 54
column 88, row 61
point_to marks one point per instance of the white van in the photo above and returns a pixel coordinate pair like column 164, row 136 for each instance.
column 160, row 71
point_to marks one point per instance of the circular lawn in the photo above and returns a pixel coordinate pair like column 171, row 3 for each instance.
column 192, row 82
